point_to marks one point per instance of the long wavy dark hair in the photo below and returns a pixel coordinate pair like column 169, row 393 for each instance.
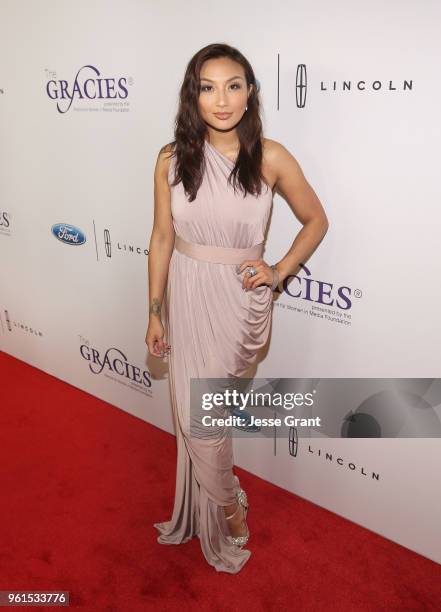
column 190, row 129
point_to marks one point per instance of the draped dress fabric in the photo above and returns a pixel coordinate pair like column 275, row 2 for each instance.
column 215, row 329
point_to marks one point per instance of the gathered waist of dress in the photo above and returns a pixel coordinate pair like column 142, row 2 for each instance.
column 217, row 254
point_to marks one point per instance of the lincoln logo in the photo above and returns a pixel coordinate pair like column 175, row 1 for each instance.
column 301, row 86
column 347, row 85
column 8, row 320
column 293, row 441
column 107, row 243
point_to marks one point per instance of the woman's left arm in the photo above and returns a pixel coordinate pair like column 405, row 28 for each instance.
column 292, row 185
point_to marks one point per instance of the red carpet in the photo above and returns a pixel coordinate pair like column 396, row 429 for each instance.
column 82, row 482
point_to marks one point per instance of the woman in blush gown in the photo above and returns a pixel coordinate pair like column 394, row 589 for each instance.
column 206, row 262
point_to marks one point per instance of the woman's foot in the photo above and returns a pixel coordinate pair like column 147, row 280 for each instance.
column 235, row 516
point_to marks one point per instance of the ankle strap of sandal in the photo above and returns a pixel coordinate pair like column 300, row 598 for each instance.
column 235, row 512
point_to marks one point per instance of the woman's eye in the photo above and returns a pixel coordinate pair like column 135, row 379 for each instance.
column 207, row 87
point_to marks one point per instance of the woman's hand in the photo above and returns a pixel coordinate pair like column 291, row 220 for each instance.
column 264, row 276
column 155, row 338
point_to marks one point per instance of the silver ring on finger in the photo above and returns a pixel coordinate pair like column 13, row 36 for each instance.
column 251, row 271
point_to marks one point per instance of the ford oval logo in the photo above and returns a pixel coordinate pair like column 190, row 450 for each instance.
column 69, row 234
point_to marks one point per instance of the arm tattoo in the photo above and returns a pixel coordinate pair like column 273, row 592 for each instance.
column 155, row 307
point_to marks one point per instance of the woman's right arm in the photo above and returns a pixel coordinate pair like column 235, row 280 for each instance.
column 160, row 250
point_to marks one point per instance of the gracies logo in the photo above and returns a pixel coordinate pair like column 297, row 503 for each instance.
column 88, row 84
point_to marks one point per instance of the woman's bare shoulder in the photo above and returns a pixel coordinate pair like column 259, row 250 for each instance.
column 273, row 149
column 270, row 160
column 278, row 158
column 164, row 158
column 168, row 148
column 164, row 152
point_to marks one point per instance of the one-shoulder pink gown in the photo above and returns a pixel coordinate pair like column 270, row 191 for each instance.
column 215, row 329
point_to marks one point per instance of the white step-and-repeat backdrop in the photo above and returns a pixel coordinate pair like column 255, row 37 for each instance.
column 88, row 95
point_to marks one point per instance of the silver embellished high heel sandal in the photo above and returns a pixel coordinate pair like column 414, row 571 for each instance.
column 242, row 503
column 243, row 500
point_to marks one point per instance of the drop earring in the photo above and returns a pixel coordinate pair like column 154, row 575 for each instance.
column 246, row 107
